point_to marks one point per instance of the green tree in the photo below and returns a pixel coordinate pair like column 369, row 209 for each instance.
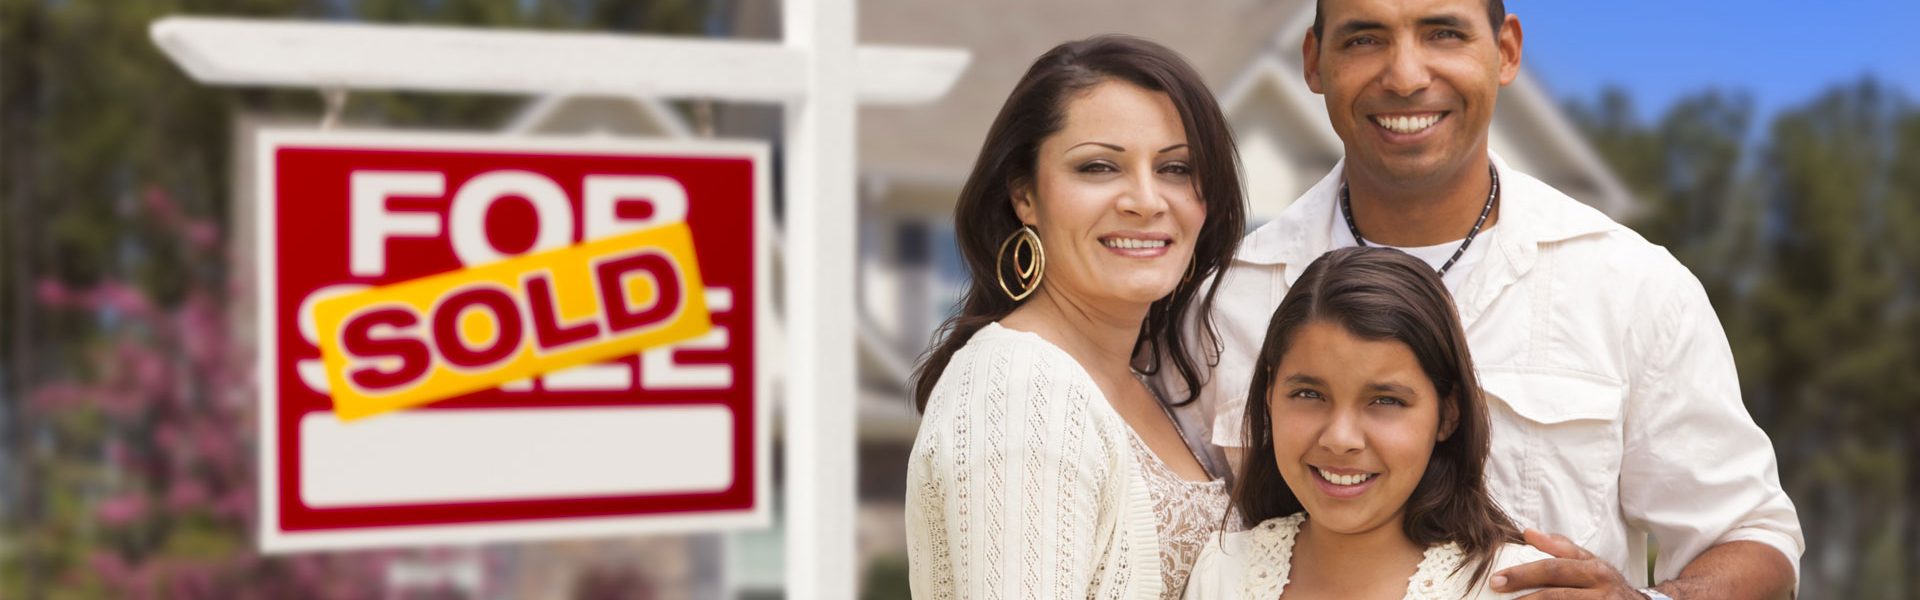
column 125, row 410
column 1808, row 240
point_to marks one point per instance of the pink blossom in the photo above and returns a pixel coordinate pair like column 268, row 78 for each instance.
column 110, row 567
column 54, row 396
column 187, row 495
column 114, row 295
column 52, row 293
column 202, row 234
column 116, row 512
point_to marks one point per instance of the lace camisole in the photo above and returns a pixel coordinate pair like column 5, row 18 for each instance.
column 1188, row 514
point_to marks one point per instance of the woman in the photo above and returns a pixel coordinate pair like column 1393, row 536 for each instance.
column 1107, row 192
column 1364, row 474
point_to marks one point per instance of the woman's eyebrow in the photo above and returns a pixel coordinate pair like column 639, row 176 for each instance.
column 1113, row 147
column 1173, row 148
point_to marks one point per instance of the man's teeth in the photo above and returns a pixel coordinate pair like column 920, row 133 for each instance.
column 1338, row 479
column 1131, row 244
column 1407, row 124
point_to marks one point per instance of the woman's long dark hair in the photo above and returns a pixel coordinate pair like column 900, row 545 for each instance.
column 1036, row 110
column 1382, row 294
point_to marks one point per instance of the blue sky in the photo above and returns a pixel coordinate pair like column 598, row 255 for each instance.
column 1783, row 52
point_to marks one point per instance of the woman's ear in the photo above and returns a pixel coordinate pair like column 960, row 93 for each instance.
column 1449, row 418
column 1021, row 192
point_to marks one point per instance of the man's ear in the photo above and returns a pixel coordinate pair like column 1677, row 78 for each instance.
column 1310, row 61
column 1509, row 42
column 1021, row 193
column 1449, row 419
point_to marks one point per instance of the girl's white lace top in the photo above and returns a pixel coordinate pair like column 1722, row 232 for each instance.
column 1256, row 563
column 1023, row 482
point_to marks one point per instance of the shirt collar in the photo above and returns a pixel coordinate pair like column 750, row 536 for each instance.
column 1531, row 213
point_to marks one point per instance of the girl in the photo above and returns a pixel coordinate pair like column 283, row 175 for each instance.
column 1364, row 477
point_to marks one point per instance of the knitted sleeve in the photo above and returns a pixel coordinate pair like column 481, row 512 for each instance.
column 1009, row 487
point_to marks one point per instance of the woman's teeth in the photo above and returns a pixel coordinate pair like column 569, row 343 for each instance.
column 1130, row 244
column 1407, row 124
column 1338, row 479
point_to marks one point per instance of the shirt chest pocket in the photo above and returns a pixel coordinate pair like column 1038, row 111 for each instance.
column 1556, row 448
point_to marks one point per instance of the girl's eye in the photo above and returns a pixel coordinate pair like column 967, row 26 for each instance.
column 1097, row 167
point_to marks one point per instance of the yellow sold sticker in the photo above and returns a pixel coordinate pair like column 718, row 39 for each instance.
column 416, row 342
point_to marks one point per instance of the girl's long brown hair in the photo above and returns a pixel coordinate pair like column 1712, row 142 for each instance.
column 1383, row 294
column 1035, row 110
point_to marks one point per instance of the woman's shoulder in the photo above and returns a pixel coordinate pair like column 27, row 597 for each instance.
column 1011, row 353
column 1017, row 369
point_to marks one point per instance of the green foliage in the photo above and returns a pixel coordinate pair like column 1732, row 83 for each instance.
column 1808, row 240
column 126, row 470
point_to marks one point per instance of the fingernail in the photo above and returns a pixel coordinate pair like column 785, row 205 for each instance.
column 1499, row 581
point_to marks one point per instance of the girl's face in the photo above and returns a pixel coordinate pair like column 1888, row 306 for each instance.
column 1113, row 197
column 1354, row 423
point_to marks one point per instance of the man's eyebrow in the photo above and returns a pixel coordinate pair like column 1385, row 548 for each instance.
column 1353, row 27
column 1449, row 21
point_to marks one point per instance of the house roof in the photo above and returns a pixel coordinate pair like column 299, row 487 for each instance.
column 939, row 140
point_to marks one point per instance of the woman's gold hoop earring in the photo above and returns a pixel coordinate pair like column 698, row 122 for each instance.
column 1029, row 273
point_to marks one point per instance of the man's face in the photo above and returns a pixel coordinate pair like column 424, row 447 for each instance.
column 1410, row 84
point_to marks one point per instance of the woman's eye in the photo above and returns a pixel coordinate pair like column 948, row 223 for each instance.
column 1389, row 401
column 1306, row 395
column 1098, row 167
column 1176, row 169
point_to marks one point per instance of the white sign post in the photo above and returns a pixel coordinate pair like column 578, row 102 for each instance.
column 817, row 72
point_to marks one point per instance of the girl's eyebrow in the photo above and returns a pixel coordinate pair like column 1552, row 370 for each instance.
column 1390, row 387
column 1304, row 379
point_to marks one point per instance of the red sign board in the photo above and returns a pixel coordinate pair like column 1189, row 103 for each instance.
column 476, row 338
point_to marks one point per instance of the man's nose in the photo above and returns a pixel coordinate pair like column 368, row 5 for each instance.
column 1407, row 71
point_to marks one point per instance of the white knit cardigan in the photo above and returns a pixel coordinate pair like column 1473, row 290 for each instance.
column 1022, row 483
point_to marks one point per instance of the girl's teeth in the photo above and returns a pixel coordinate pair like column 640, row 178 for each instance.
column 1338, row 479
column 1128, row 244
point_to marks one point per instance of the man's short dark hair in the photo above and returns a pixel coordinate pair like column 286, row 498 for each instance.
column 1496, row 15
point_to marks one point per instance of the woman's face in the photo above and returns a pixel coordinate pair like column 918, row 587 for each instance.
column 1114, row 199
column 1354, row 423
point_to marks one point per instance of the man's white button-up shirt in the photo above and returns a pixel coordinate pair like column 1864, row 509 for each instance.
column 1616, row 410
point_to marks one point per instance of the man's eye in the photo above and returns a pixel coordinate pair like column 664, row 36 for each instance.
column 1361, row 41
column 1450, row 34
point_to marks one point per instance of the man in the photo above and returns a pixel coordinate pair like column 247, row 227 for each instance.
column 1615, row 405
